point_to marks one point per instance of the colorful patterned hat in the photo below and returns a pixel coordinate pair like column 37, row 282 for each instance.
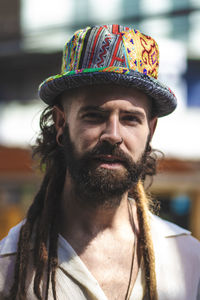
column 111, row 54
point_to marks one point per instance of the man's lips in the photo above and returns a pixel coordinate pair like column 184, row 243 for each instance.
column 107, row 158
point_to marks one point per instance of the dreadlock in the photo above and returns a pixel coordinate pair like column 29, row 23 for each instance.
column 144, row 205
column 40, row 227
column 145, row 241
column 41, row 222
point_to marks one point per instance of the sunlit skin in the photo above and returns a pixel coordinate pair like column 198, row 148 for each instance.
column 104, row 237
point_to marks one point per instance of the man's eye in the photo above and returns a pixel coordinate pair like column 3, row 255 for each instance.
column 131, row 119
column 93, row 116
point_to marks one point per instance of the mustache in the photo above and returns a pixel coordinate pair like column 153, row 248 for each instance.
column 105, row 148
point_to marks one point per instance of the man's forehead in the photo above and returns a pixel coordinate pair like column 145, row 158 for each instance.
column 100, row 95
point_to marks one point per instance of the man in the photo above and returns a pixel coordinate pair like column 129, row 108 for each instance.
column 89, row 233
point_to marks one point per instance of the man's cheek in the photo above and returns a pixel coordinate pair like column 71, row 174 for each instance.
column 87, row 143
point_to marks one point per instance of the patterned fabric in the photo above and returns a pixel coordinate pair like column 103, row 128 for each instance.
column 111, row 46
column 111, row 54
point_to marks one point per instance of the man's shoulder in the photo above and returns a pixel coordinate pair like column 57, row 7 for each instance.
column 8, row 245
column 166, row 228
column 177, row 260
column 8, row 249
column 173, row 234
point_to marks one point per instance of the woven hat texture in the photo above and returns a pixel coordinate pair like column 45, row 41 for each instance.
column 111, row 54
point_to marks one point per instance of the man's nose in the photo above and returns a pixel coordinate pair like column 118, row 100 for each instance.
column 111, row 132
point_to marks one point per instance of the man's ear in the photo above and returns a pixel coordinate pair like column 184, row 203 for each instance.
column 59, row 118
column 152, row 126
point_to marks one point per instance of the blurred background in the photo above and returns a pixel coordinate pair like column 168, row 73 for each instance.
column 32, row 36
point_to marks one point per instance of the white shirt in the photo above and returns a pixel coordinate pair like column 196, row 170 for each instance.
column 177, row 257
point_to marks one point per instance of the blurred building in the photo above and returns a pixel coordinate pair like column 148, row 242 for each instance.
column 32, row 35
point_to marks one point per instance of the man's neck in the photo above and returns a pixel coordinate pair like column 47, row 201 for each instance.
column 83, row 223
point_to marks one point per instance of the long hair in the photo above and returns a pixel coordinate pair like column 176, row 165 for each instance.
column 40, row 226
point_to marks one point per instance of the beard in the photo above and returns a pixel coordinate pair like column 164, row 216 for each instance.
column 96, row 186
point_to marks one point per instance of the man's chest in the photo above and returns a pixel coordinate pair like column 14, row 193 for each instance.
column 113, row 266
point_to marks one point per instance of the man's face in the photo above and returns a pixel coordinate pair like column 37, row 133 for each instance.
column 106, row 137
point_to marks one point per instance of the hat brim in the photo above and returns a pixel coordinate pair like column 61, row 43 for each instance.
column 164, row 100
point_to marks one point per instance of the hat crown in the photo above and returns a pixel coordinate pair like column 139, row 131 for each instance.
column 111, row 54
column 111, row 46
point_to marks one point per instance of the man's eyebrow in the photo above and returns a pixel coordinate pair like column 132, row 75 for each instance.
column 92, row 108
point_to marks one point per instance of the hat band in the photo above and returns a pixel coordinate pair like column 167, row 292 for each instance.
column 110, row 69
